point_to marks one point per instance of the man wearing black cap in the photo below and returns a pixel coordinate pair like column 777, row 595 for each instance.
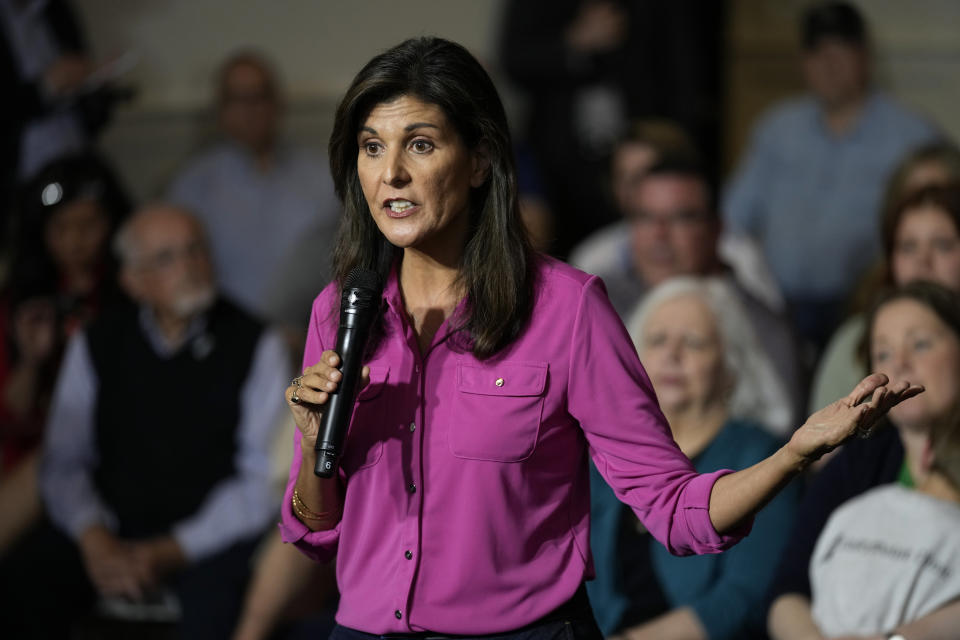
column 808, row 187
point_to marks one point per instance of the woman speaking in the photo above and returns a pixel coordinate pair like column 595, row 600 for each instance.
column 462, row 502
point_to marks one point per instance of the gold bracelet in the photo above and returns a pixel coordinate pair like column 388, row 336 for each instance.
column 303, row 516
column 302, row 510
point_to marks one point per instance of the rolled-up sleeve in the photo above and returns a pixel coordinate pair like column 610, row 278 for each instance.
column 630, row 440
column 69, row 453
column 318, row 545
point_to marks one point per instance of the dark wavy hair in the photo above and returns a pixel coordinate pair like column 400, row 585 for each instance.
column 496, row 265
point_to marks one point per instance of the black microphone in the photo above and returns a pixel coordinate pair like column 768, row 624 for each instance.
column 359, row 306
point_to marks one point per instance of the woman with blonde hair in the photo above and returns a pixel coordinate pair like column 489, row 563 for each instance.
column 719, row 393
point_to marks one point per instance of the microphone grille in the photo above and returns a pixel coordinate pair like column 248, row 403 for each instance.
column 360, row 278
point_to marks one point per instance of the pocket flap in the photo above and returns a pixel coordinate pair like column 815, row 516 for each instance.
column 502, row 379
column 378, row 378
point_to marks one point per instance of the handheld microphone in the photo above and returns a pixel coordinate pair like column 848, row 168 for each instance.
column 359, row 306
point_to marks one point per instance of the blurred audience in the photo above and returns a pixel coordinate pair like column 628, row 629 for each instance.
column 54, row 103
column 156, row 462
column 157, row 416
column 673, row 231
column 269, row 206
column 61, row 277
column 892, row 555
column 915, row 247
column 809, row 185
column 715, row 386
column 913, row 334
column 645, row 143
column 43, row 59
column 588, row 67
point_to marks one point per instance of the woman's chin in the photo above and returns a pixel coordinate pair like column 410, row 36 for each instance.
column 911, row 415
column 672, row 404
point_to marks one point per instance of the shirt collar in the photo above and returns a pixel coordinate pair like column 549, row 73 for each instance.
column 391, row 290
column 196, row 334
column 859, row 127
column 393, row 296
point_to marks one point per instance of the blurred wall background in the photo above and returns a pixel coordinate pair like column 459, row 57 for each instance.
column 319, row 45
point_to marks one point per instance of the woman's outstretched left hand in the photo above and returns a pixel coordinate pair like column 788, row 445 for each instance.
column 857, row 414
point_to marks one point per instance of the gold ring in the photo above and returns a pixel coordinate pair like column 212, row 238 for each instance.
column 296, row 382
column 294, row 398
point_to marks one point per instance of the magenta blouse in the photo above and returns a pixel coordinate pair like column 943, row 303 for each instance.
column 467, row 499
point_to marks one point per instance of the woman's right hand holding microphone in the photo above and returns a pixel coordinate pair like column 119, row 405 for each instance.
column 317, row 502
column 308, row 394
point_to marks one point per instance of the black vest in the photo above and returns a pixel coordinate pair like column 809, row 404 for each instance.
column 166, row 427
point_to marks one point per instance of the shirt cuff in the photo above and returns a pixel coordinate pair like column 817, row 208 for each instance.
column 316, row 545
column 87, row 516
column 196, row 543
column 695, row 511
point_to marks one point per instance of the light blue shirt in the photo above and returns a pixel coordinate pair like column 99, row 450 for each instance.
column 812, row 198
column 239, row 506
column 253, row 218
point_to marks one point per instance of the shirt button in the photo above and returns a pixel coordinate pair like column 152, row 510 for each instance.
column 499, row 382
column 413, row 427
column 408, row 555
column 412, row 488
column 397, row 614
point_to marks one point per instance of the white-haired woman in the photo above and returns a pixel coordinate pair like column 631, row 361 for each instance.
column 719, row 392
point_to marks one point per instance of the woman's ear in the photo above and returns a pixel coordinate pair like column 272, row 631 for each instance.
column 481, row 165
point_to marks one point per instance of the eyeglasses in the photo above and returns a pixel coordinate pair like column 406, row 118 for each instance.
column 166, row 258
column 675, row 219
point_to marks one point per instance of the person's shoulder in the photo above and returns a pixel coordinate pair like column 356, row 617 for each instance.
column 327, row 302
column 601, row 251
column 212, row 157
column 757, row 308
column 235, row 325
column 121, row 311
column 231, row 311
column 552, row 273
column 747, row 440
column 915, row 505
column 894, row 112
column 563, row 287
column 884, row 498
column 116, row 325
column 200, row 168
column 785, row 117
column 850, row 329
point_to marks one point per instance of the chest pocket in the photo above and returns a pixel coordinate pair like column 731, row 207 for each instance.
column 364, row 443
column 498, row 410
